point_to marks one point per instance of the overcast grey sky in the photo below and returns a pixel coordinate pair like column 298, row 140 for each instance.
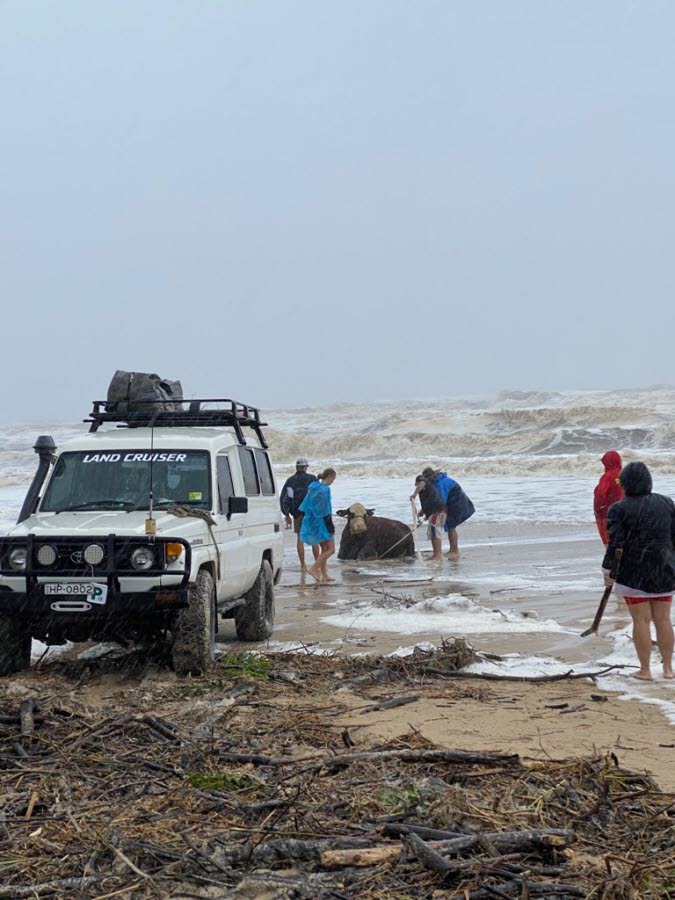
column 292, row 202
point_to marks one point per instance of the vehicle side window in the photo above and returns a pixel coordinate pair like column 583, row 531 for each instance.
column 249, row 472
column 265, row 472
column 225, row 486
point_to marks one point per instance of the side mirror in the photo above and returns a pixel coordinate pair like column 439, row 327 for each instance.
column 236, row 505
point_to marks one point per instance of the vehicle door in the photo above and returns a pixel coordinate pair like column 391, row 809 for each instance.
column 271, row 535
column 230, row 534
column 256, row 530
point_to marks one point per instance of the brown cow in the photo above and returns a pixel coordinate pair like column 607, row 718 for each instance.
column 366, row 536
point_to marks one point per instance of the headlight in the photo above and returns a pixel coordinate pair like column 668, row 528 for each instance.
column 93, row 554
column 142, row 558
column 46, row 555
column 17, row 559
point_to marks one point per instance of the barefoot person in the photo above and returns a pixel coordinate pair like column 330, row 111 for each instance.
column 293, row 493
column 317, row 525
column 433, row 510
column 607, row 491
column 642, row 525
column 458, row 507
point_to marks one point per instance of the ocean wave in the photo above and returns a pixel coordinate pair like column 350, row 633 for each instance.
column 566, row 416
column 512, row 433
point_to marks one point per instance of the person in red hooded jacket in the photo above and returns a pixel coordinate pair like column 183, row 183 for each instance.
column 607, row 491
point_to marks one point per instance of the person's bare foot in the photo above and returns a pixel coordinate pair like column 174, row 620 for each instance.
column 303, row 571
column 315, row 573
column 642, row 676
column 668, row 673
column 453, row 554
column 327, row 578
column 435, row 559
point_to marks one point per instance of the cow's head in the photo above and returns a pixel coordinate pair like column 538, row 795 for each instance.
column 356, row 517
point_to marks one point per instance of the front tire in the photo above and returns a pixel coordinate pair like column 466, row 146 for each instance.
column 254, row 621
column 15, row 645
column 194, row 630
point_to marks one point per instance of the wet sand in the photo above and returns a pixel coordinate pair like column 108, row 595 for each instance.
column 497, row 564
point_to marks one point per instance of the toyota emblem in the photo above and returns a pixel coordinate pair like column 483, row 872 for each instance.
column 77, row 556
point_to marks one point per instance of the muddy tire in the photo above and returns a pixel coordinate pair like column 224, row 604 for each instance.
column 194, row 629
column 15, row 645
column 254, row 621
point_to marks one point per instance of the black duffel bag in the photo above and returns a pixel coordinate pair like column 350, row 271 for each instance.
column 138, row 392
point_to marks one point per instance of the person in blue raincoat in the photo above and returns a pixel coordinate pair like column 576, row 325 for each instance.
column 317, row 523
column 459, row 507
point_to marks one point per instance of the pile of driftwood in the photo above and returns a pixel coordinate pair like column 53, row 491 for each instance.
column 241, row 784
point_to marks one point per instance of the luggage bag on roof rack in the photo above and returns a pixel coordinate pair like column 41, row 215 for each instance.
column 134, row 392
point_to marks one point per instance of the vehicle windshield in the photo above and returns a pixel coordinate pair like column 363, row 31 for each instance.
column 121, row 480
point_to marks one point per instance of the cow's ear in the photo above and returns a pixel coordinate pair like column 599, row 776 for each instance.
column 342, row 512
column 370, row 512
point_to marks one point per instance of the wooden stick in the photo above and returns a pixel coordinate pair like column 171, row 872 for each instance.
column 535, row 679
column 511, row 840
column 341, row 759
column 394, row 829
column 58, row 885
column 605, row 597
column 391, row 704
column 599, row 614
column 427, row 856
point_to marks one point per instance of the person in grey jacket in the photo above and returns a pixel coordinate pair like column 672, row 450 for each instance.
column 292, row 494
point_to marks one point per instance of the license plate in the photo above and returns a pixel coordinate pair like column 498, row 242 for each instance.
column 88, row 590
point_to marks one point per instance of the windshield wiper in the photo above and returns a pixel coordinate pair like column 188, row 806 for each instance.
column 99, row 504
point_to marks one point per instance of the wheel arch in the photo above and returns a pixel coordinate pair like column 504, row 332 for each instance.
column 210, row 567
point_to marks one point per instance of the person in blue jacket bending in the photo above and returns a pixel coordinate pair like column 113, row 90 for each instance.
column 459, row 507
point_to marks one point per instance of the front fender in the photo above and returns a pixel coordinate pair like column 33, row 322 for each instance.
column 201, row 556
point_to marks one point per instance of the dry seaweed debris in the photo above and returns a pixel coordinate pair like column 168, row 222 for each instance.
column 218, row 787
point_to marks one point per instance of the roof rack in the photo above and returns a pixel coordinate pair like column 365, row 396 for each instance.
column 179, row 414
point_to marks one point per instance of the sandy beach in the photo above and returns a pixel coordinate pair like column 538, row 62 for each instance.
column 509, row 579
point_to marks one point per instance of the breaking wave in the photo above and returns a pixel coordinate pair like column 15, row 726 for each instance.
column 512, row 433
column 515, row 433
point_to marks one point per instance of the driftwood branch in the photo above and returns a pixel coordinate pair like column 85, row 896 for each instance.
column 453, row 756
column 534, row 679
column 464, row 757
column 427, row 855
column 58, row 886
column 391, row 704
column 394, row 829
column 285, row 849
column 510, row 841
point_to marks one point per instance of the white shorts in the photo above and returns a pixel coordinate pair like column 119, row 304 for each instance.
column 436, row 526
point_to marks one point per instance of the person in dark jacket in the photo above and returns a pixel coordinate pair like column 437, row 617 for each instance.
column 433, row 510
column 292, row 494
column 640, row 556
column 607, row 491
column 458, row 507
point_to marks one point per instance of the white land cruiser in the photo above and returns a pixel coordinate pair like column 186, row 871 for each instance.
column 151, row 528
